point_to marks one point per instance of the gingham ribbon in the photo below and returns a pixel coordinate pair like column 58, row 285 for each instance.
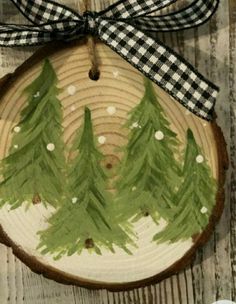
column 123, row 26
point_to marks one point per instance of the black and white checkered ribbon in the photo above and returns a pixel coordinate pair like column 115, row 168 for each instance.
column 123, row 26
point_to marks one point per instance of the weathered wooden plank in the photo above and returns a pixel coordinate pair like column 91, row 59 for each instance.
column 19, row 282
column 11, row 278
column 232, row 98
column 213, row 273
column 4, row 287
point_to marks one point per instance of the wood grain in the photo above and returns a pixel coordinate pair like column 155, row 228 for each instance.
column 212, row 276
column 97, row 95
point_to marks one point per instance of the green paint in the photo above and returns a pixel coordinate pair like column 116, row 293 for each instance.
column 149, row 172
column 89, row 222
column 31, row 172
column 89, row 217
column 197, row 191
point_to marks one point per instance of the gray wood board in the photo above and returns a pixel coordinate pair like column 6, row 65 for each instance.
column 212, row 49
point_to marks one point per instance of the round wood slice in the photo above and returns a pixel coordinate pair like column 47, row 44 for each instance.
column 121, row 88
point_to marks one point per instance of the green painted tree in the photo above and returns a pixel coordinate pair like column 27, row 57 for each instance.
column 195, row 198
column 33, row 172
column 85, row 220
column 149, row 172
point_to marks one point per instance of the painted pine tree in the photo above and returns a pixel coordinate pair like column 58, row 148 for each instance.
column 85, row 220
column 149, row 172
column 34, row 169
column 195, row 198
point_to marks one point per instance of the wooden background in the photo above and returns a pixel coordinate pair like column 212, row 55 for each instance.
column 212, row 275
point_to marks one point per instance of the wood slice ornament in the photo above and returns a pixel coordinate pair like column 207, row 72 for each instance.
column 108, row 183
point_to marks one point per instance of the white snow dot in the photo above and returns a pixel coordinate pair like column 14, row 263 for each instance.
column 111, row 110
column 159, row 135
column 74, row 200
column 102, row 140
column 16, row 146
column 135, row 125
column 134, row 188
column 50, row 147
column 116, row 74
column 72, row 108
column 71, row 90
column 17, row 129
column 37, row 94
column 199, row 159
column 204, row 210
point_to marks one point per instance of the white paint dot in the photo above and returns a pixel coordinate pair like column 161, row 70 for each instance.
column 134, row 188
column 74, row 200
column 116, row 74
column 204, row 210
column 16, row 146
column 199, row 159
column 102, row 140
column 73, row 108
column 51, row 147
column 159, row 135
column 37, row 94
column 17, row 129
column 71, row 90
column 111, row 110
column 135, row 125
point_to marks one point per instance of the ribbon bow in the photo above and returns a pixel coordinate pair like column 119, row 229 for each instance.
column 123, row 26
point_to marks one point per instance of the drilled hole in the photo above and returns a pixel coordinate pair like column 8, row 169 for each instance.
column 94, row 75
column 109, row 166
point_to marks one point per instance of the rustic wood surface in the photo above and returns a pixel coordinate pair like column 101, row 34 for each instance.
column 212, row 276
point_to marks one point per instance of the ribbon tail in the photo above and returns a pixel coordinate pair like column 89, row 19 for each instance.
column 191, row 16
column 162, row 65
